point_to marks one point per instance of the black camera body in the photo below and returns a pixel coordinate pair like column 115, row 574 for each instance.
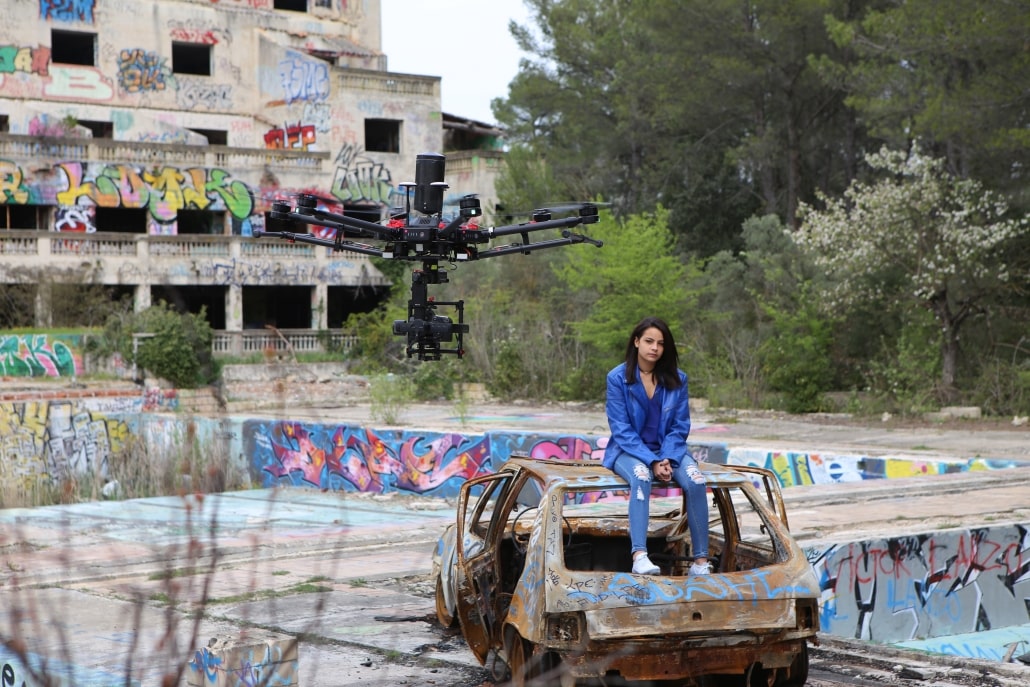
column 425, row 237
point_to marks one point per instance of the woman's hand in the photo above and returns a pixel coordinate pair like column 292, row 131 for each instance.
column 662, row 470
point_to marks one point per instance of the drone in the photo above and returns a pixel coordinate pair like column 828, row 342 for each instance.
column 424, row 235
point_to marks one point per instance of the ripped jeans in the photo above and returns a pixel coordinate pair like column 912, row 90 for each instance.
column 638, row 475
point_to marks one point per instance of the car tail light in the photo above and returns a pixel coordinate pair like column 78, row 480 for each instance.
column 807, row 614
column 565, row 627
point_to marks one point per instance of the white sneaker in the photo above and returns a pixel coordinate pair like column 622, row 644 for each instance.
column 701, row 569
column 644, row 566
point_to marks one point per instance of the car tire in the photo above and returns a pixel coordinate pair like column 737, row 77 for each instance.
column 797, row 674
column 528, row 670
column 444, row 615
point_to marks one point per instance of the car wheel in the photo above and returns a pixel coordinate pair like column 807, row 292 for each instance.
column 528, row 670
column 443, row 614
column 797, row 674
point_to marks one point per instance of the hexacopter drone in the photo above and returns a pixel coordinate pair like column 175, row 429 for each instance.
column 427, row 237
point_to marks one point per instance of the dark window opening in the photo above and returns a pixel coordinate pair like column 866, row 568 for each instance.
column 191, row 58
column 123, row 220
column 291, row 5
column 383, row 135
column 88, row 305
column 193, row 299
column 215, row 137
column 200, row 222
column 73, row 47
column 17, row 305
column 349, row 300
column 274, row 224
column 369, row 213
column 21, row 216
column 98, row 128
column 5, row 124
column 282, row 307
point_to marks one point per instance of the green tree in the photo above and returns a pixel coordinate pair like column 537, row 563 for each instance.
column 918, row 235
column 179, row 349
column 710, row 108
column 635, row 274
column 954, row 74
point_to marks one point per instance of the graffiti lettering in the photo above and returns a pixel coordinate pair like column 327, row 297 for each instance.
column 163, row 191
column 83, row 83
column 295, row 136
column 37, row 355
column 29, row 60
column 304, row 79
column 67, row 10
column 894, row 590
column 78, row 218
column 142, row 70
column 12, row 187
column 364, row 181
column 193, row 94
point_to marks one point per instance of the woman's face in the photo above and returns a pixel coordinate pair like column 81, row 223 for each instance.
column 650, row 346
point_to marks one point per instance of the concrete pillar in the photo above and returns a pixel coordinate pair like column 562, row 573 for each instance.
column 43, row 315
column 234, row 308
column 320, row 307
column 141, row 298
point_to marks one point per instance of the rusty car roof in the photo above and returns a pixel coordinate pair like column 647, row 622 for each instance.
column 589, row 473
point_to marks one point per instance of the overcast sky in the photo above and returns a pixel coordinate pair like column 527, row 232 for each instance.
column 464, row 41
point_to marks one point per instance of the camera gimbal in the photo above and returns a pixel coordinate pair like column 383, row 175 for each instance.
column 426, row 237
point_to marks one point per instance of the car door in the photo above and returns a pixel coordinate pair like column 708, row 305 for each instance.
column 768, row 485
column 480, row 526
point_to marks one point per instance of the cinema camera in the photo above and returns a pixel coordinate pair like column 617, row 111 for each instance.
column 424, row 235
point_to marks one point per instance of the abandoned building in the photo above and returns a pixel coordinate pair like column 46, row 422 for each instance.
column 143, row 143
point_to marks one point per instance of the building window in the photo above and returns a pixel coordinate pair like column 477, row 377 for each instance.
column 122, row 220
column 5, row 124
column 99, row 129
column 20, row 216
column 191, row 58
column 73, row 47
column 383, row 135
column 291, row 5
column 215, row 137
column 210, row 222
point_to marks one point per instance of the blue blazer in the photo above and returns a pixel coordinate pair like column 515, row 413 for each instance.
column 626, row 407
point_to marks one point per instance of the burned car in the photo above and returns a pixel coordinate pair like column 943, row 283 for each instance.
column 536, row 570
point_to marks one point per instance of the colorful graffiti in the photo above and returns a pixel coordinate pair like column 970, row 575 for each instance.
column 359, row 179
column 142, row 70
column 162, row 191
column 55, row 440
column 25, row 59
column 303, row 79
column 928, row 585
column 294, row 136
column 40, row 355
column 67, row 10
column 12, row 184
column 78, row 83
column 363, row 460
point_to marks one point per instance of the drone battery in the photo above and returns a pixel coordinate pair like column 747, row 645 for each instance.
column 418, row 234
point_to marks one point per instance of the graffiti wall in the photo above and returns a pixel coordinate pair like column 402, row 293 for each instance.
column 924, row 586
column 40, row 355
column 55, row 440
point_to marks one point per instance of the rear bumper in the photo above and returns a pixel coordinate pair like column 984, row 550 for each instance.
column 670, row 659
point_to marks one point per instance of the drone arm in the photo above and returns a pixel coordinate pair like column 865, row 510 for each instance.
column 569, row 239
column 561, row 223
column 317, row 241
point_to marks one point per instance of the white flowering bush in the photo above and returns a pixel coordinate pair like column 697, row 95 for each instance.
column 917, row 235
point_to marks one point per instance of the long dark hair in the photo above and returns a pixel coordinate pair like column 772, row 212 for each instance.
column 666, row 369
